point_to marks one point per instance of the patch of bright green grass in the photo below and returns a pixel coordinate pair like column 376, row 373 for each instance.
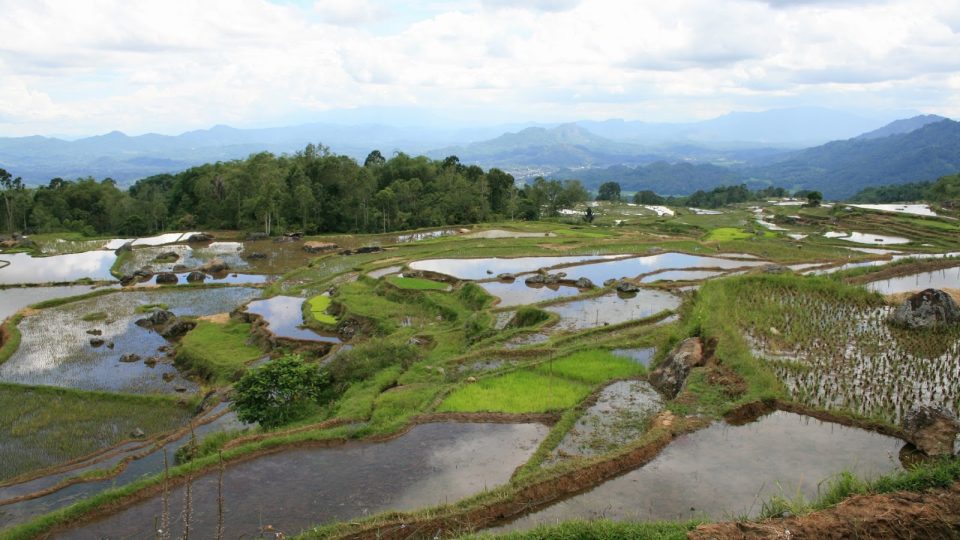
column 416, row 284
column 318, row 308
column 218, row 351
column 595, row 366
column 726, row 234
column 357, row 402
column 95, row 316
column 517, row 392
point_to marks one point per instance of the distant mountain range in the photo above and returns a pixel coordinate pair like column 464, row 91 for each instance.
column 757, row 148
column 839, row 169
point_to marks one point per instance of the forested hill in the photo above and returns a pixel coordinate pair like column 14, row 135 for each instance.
column 664, row 178
column 313, row 191
column 842, row 168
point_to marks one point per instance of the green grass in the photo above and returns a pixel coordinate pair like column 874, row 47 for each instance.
column 357, row 402
column 147, row 308
column 416, row 284
column 517, row 392
column 11, row 337
column 95, row 316
column 726, row 234
column 42, row 426
column 219, row 352
column 592, row 366
column 598, row 530
column 318, row 308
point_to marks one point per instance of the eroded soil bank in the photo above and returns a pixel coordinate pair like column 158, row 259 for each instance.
column 930, row 515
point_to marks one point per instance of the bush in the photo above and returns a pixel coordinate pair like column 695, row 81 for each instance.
column 529, row 316
column 364, row 360
column 279, row 392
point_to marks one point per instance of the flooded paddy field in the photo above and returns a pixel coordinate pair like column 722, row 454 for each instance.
column 485, row 268
column 946, row 278
column 292, row 490
column 840, row 354
column 518, row 293
column 42, row 427
column 612, row 309
column 141, row 459
column 24, row 268
column 621, row 414
column 284, row 318
column 725, row 471
column 56, row 347
column 13, row 299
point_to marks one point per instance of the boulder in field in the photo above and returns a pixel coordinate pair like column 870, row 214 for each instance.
column 319, row 247
column 167, row 278
column 933, row 430
column 927, row 309
column 671, row 374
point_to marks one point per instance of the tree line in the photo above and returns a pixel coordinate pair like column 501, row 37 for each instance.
column 313, row 190
column 945, row 191
column 715, row 198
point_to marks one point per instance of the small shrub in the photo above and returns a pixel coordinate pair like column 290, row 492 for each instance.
column 279, row 392
column 529, row 316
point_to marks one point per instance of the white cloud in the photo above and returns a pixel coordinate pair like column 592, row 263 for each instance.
column 138, row 65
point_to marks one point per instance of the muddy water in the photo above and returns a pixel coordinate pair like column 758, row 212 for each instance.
column 518, row 293
column 489, row 267
column 612, row 309
column 620, row 415
column 57, row 268
column 432, row 464
column 14, row 299
column 55, row 348
column 948, row 278
column 149, row 464
column 629, row 268
column 680, row 275
column 284, row 317
column 640, row 356
column 725, row 471
column 380, row 272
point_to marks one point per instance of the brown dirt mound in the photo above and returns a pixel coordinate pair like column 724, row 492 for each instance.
column 928, row 515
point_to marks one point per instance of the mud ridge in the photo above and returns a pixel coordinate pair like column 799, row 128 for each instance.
column 932, row 514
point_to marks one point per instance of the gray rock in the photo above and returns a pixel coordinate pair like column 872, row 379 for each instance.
column 214, row 266
column 506, row 277
column 583, row 283
column 95, row 332
column 127, row 246
column 199, row 237
column 625, row 286
column 96, row 342
column 159, row 317
column 196, row 276
column 774, row 269
column 167, row 278
column 167, row 256
column 671, row 374
column 130, row 358
column 926, row 309
column 138, row 433
column 177, row 328
column 536, row 279
column 256, row 255
column 609, row 282
column 933, row 430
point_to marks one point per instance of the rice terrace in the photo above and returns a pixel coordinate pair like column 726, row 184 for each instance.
column 479, row 270
column 640, row 374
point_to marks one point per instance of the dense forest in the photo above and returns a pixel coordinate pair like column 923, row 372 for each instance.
column 945, row 191
column 313, row 191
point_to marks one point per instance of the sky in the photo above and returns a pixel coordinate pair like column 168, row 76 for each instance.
column 83, row 67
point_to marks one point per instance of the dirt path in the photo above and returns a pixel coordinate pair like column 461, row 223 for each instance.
column 928, row 515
